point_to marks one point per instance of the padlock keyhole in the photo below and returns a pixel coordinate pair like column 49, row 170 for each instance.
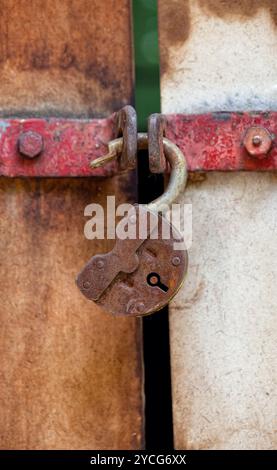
column 154, row 280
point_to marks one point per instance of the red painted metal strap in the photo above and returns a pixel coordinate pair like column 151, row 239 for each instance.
column 225, row 141
column 54, row 147
column 64, row 147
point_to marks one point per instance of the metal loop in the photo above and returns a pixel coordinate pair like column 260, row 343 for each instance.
column 126, row 126
column 176, row 159
column 156, row 130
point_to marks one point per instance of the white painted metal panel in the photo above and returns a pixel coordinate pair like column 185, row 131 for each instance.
column 223, row 322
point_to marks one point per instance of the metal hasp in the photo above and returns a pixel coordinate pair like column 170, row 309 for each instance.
column 65, row 147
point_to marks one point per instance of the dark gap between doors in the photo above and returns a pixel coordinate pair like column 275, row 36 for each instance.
column 156, row 349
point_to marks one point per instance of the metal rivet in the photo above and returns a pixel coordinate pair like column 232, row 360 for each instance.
column 86, row 285
column 176, row 261
column 257, row 141
column 30, row 144
column 140, row 307
column 100, row 263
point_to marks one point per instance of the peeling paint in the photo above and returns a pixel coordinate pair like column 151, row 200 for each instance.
column 3, row 127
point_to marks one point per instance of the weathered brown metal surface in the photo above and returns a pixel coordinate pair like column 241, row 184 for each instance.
column 73, row 56
column 70, row 375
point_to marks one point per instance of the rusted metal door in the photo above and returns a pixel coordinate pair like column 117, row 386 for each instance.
column 221, row 56
column 71, row 376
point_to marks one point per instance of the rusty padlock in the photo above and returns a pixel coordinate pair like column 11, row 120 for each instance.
column 141, row 274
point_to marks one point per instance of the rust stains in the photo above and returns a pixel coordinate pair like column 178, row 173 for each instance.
column 241, row 8
column 175, row 19
column 70, row 57
column 174, row 27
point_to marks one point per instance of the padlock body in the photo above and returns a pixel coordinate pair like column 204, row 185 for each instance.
column 140, row 276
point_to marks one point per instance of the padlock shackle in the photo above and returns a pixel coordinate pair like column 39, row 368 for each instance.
column 176, row 159
column 178, row 175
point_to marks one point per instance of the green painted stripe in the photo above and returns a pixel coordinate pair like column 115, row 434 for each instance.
column 146, row 52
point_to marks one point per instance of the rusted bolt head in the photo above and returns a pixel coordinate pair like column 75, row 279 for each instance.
column 30, row 144
column 257, row 141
